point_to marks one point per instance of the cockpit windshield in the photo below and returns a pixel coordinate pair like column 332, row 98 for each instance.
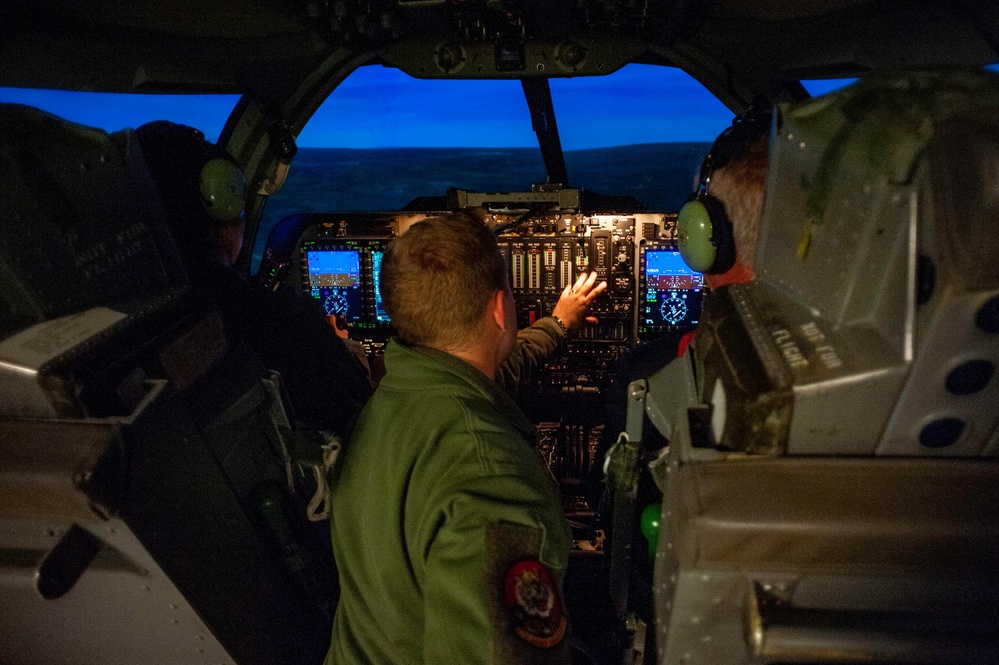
column 639, row 132
column 383, row 139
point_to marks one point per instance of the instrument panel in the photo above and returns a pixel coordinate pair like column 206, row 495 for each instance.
column 337, row 256
column 650, row 290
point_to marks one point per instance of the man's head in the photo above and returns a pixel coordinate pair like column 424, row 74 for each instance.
column 718, row 227
column 202, row 190
column 439, row 278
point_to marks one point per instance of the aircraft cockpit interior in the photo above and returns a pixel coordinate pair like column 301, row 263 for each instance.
column 809, row 475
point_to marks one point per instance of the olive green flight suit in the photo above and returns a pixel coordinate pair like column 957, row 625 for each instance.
column 447, row 526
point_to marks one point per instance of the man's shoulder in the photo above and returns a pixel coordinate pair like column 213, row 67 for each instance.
column 447, row 417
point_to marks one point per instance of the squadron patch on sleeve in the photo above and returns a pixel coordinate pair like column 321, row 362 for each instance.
column 529, row 619
column 535, row 609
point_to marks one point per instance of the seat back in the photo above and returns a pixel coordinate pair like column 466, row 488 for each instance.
column 830, row 483
column 145, row 514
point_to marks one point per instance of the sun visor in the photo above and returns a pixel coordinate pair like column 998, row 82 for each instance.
column 872, row 325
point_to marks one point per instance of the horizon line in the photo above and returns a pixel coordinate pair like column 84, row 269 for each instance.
column 501, row 147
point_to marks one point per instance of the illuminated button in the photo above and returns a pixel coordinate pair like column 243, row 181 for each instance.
column 942, row 433
column 970, row 377
column 987, row 318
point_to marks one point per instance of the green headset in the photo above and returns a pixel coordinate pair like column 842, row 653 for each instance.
column 704, row 231
column 180, row 155
column 223, row 189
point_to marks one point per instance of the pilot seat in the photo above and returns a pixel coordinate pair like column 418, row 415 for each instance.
column 831, row 479
column 146, row 513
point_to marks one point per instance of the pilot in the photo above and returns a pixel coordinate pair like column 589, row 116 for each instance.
column 733, row 178
column 730, row 187
column 203, row 193
column 447, row 526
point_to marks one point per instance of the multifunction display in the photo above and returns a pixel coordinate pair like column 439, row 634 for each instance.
column 343, row 275
column 671, row 292
column 335, row 280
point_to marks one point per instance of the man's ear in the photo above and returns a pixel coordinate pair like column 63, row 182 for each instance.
column 497, row 309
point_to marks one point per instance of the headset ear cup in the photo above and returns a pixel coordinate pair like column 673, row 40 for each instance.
column 693, row 229
column 704, row 236
column 722, row 236
column 223, row 189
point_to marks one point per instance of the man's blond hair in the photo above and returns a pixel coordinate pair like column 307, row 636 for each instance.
column 740, row 185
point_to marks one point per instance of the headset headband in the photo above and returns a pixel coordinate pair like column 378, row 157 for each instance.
column 753, row 123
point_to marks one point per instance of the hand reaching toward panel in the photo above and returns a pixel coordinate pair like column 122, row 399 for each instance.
column 574, row 303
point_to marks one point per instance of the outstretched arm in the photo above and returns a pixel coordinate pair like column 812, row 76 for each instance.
column 539, row 342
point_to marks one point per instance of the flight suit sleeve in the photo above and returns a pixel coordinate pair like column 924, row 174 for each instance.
column 494, row 575
column 535, row 345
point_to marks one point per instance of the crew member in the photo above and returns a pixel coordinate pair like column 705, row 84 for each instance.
column 203, row 191
column 447, row 526
column 736, row 171
column 733, row 177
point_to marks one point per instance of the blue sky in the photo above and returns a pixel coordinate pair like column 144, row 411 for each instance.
column 378, row 107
